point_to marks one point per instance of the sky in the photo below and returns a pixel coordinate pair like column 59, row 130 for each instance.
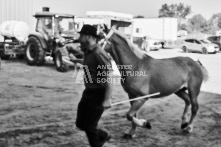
column 147, row 8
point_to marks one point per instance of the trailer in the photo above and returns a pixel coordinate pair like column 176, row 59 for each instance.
column 15, row 35
column 162, row 29
column 124, row 22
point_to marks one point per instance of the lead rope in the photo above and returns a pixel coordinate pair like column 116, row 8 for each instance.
column 107, row 38
column 137, row 98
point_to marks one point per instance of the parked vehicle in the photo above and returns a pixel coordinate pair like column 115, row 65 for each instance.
column 14, row 35
column 202, row 46
column 154, row 44
column 54, row 36
column 216, row 40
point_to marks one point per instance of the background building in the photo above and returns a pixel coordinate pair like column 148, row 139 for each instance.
column 23, row 10
column 110, row 19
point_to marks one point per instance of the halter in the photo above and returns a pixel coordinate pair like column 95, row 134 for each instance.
column 107, row 37
column 106, row 40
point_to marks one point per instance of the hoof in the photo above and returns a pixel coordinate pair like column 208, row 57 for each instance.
column 147, row 125
column 184, row 125
column 188, row 129
column 128, row 136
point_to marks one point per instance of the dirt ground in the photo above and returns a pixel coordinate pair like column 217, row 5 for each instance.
column 38, row 109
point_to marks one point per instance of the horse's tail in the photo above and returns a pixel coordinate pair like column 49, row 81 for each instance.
column 204, row 71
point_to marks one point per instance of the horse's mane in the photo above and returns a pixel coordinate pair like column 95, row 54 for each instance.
column 135, row 49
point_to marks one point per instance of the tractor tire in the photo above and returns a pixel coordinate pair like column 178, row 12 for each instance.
column 34, row 52
column 60, row 64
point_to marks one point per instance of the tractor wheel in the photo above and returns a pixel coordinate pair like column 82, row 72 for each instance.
column 60, row 64
column 34, row 52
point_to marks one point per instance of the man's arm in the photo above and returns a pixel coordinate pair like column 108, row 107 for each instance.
column 104, row 59
column 108, row 94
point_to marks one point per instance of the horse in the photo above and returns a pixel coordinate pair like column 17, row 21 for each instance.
column 180, row 75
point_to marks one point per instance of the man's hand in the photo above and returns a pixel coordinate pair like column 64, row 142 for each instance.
column 107, row 103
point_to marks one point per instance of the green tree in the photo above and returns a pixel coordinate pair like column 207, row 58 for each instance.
column 198, row 23
column 179, row 11
column 175, row 10
column 217, row 19
column 219, row 22
column 184, row 27
column 213, row 24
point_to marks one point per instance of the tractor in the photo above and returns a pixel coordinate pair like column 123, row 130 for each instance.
column 55, row 38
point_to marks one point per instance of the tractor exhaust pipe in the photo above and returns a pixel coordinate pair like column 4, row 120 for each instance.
column 45, row 9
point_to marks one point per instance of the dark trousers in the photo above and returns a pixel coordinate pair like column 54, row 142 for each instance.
column 89, row 113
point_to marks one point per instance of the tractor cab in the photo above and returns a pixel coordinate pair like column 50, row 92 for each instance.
column 53, row 25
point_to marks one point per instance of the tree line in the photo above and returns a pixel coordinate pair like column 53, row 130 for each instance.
column 196, row 23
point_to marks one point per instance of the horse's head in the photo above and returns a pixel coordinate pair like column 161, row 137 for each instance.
column 117, row 44
column 103, row 30
column 120, row 47
column 107, row 43
column 104, row 34
column 115, row 39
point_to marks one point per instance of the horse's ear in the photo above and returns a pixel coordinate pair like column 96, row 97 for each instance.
column 106, row 30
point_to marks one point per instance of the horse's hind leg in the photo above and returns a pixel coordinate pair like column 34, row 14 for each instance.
column 193, row 91
column 183, row 95
column 194, row 109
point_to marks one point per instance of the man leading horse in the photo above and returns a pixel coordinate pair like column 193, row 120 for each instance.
column 96, row 96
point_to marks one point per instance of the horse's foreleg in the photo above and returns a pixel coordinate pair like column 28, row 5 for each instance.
column 132, row 132
column 132, row 116
column 136, row 105
column 183, row 95
column 141, row 123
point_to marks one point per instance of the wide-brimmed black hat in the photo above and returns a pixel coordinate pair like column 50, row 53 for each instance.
column 89, row 30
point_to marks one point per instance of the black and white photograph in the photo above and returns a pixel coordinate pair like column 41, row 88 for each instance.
column 110, row 73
